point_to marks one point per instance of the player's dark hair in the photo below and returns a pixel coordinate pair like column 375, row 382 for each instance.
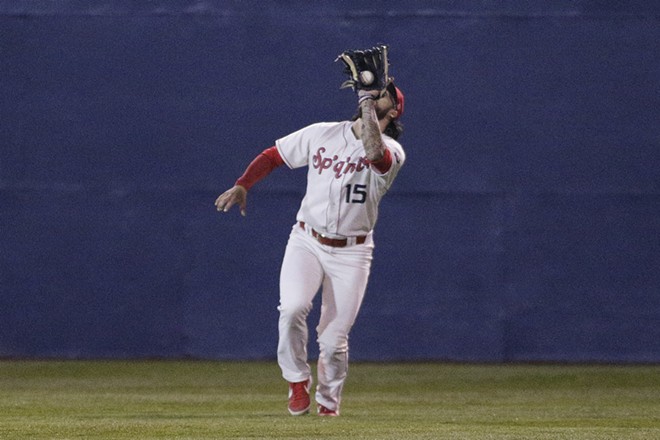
column 394, row 129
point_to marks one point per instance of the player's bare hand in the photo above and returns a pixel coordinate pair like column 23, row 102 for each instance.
column 237, row 195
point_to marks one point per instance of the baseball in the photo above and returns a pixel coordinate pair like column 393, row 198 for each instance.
column 366, row 77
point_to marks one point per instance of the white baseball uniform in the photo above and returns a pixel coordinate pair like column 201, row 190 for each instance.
column 341, row 203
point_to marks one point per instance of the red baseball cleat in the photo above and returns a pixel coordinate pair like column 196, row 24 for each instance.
column 299, row 397
column 325, row 412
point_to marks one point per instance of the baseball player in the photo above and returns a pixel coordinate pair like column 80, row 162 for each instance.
column 351, row 165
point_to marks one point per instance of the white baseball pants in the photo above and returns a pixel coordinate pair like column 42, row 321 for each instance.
column 343, row 274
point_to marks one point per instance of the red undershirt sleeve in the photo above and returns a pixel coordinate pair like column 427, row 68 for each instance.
column 260, row 167
column 384, row 163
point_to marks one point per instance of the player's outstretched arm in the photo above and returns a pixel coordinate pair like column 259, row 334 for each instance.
column 260, row 167
column 237, row 195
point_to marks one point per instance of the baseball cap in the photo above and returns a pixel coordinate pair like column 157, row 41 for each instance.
column 398, row 97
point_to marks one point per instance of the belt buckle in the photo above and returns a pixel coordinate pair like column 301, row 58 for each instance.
column 320, row 237
column 323, row 239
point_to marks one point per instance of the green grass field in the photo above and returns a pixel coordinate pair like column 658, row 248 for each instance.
column 212, row 400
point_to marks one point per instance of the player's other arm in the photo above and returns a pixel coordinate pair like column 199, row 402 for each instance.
column 377, row 153
column 259, row 168
column 370, row 128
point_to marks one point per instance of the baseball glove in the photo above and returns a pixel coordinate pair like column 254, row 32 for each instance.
column 366, row 69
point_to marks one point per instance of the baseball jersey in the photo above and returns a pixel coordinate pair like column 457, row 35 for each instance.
column 343, row 190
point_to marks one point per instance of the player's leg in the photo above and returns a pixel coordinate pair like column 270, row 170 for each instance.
column 347, row 273
column 300, row 278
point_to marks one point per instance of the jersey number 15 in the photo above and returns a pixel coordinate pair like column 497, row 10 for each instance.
column 356, row 193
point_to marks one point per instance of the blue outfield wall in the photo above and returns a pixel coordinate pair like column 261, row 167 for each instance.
column 525, row 225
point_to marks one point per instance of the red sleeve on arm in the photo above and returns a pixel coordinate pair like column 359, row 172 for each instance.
column 260, row 167
column 384, row 163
